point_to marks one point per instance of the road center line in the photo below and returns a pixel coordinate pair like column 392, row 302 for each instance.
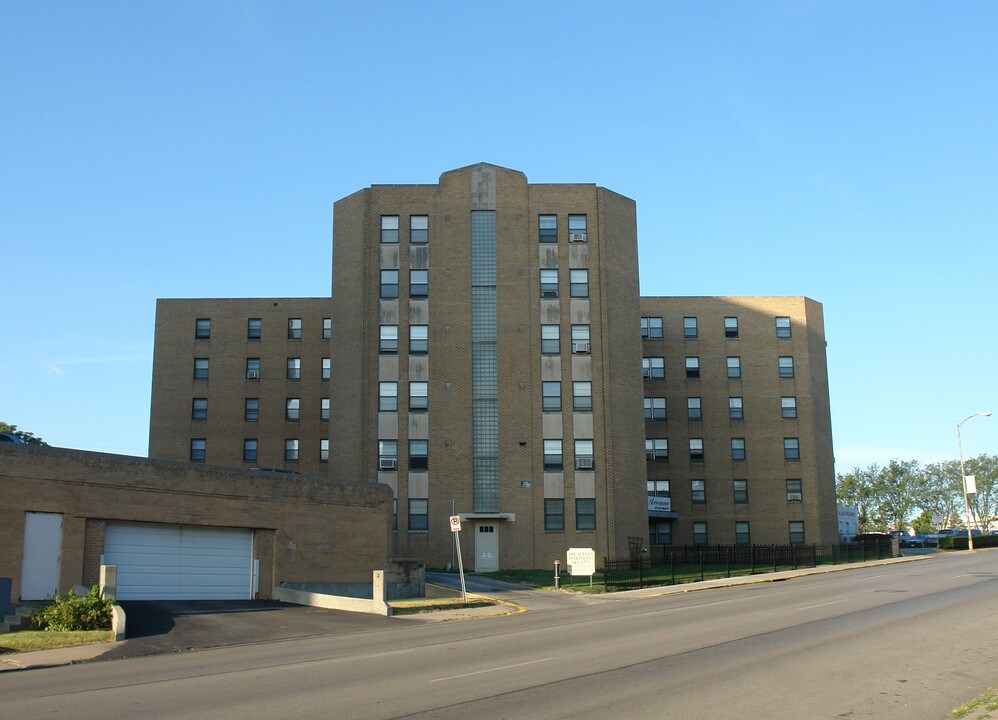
column 812, row 607
column 957, row 577
column 496, row 669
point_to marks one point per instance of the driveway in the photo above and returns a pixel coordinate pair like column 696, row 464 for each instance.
column 165, row 626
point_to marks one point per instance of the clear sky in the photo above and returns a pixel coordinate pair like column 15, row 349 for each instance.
column 847, row 151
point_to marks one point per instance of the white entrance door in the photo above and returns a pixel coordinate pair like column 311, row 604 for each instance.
column 487, row 548
column 42, row 553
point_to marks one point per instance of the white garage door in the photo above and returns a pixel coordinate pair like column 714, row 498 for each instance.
column 175, row 562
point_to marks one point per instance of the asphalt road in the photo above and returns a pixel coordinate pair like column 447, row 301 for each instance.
column 905, row 641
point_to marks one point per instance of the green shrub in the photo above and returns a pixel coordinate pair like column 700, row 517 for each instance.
column 75, row 612
column 959, row 542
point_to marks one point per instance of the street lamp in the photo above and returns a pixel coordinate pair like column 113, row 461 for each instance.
column 963, row 474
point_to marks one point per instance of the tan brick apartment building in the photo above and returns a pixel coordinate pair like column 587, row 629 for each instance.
column 481, row 356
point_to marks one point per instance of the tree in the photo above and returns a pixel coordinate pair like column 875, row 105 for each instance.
column 28, row 437
column 923, row 525
column 856, row 489
column 942, row 492
column 985, row 503
column 897, row 488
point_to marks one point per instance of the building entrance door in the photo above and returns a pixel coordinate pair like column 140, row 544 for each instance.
column 487, row 548
column 42, row 555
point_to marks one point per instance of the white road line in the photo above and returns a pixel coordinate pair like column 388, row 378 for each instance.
column 957, row 577
column 812, row 607
column 495, row 669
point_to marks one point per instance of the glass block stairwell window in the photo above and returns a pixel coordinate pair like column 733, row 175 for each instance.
column 484, row 364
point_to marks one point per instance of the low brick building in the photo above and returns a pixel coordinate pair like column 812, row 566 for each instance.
column 178, row 530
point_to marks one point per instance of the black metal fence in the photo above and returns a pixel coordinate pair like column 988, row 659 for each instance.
column 690, row 563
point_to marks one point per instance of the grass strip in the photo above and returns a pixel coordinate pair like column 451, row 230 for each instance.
column 32, row 640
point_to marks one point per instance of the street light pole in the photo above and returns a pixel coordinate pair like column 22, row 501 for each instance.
column 963, row 475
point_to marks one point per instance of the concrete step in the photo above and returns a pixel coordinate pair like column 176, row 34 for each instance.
column 20, row 620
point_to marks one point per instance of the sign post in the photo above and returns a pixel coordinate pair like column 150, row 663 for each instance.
column 455, row 527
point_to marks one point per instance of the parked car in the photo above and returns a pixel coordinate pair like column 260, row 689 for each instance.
column 7, row 437
column 914, row 541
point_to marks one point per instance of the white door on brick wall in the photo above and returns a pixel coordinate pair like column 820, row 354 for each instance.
column 487, row 548
column 180, row 562
column 41, row 559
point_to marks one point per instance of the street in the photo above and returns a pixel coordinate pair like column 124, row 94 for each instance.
column 912, row 641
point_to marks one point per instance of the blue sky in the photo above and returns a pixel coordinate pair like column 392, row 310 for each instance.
column 846, row 151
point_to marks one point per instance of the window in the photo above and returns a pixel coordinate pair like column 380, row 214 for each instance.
column 651, row 328
column 419, row 283
column 388, row 451
column 656, row 449
column 389, row 284
column 658, row 488
column 550, row 339
column 693, row 408
column 202, row 328
column 198, row 449
column 254, row 329
column 734, row 367
column 294, row 328
column 388, row 397
column 252, row 368
column 794, row 491
column 742, row 536
column 791, row 448
column 292, row 410
column 582, row 396
column 291, row 450
column 782, row 327
column 577, row 228
column 419, row 393
column 696, row 449
column 579, row 283
column 788, row 407
column 796, row 529
column 419, row 519
column 324, row 410
column 554, row 513
column 200, row 368
column 199, row 409
column 584, row 455
column 692, row 368
column 690, row 328
column 251, row 410
column 388, row 343
column 249, row 450
column 786, row 366
column 419, row 229
column 551, row 396
column 698, row 491
column 585, row 514
column 419, row 454
column 741, row 491
column 327, row 328
column 549, row 283
column 731, row 327
column 294, row 368
column 699, row 533
column 660, row 533
column 653, row 368
column 654, row 408
column 390, row 229
column 547, row 228
column 552, row 455
column 737, row 449
column 580, row 339
column 324, row 450
column 326, row 368
column 735, row 408
column 419, row 339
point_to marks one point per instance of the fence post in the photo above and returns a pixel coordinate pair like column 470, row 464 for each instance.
column 701, row 563
column 728, row 569
column 752, row 557
column 641, row 572
column 606, row 574
column 672, row 565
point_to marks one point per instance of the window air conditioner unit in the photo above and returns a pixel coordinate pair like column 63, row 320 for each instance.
column 252, row 376
column 576, row 237
column 387, row 463
column 795, row 496
column 580, row 346
column 549, row 293
column 584, row 463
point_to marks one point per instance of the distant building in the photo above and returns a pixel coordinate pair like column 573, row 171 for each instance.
column 485, row 353
column 848, row 523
